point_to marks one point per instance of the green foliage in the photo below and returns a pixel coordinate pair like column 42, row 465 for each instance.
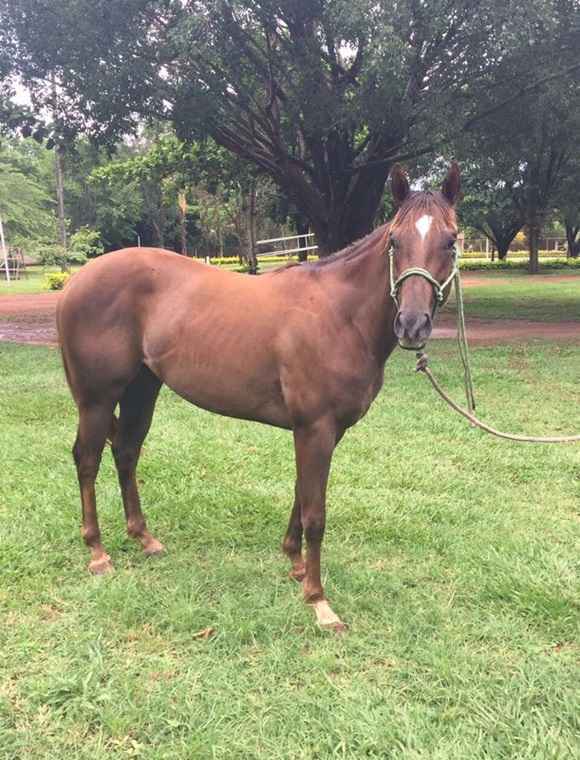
column 25, row 204
column 56, row 280
column 321, row 96
column 53, row 254
column 115, row 209
column 86, row 243
column 551, row 263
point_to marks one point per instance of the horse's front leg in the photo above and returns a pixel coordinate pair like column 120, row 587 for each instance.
column 314, row 446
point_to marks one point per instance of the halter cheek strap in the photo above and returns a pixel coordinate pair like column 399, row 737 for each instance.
column 438, row 287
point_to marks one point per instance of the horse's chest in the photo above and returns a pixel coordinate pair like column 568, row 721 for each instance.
column 356, row 391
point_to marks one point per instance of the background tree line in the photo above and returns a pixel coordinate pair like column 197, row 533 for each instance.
column 220, row 111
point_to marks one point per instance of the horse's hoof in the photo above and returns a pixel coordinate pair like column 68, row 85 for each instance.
column 101, row 566
column 326, row 618
column 339, row 627
column 153, row 548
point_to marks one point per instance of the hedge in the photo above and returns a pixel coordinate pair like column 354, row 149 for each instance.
column 491, row 266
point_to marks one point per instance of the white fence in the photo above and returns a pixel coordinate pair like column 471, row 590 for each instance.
column 284, row 250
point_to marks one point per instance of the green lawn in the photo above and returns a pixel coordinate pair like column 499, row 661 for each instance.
column 33, row 282
column 522, row 296
column 454, row 557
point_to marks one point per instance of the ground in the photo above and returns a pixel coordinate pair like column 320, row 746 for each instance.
column 454, row 557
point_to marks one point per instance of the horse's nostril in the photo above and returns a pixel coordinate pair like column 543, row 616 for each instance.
column 412, row 327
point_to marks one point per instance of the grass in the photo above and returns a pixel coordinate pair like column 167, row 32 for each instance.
column 454, row 557
column 34, row 282
column 521, row 296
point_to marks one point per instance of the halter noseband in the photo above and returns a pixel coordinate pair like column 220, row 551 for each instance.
column 438, row 288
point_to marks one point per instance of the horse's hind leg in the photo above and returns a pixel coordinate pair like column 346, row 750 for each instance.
column 94, row 426
column 292, row 544
column 136, row 412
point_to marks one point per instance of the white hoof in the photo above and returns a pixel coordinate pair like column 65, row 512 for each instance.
column 326, row 618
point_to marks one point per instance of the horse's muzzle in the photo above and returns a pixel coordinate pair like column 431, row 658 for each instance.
column 412, row 328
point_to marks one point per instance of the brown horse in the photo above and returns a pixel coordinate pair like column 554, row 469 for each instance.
column 301, row 348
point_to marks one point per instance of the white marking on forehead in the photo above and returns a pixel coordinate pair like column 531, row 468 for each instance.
column 423, row 225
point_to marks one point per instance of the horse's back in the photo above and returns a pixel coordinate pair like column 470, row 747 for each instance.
column 202, row 330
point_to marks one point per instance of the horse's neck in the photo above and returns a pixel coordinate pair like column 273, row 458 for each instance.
column 362, row 291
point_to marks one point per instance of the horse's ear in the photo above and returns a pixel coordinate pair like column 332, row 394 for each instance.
column 399, row 184
column 452, row 183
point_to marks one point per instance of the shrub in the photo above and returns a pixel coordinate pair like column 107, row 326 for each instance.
column 519, row 264
column 57, row 280
column 86, row 242
column 52, row 254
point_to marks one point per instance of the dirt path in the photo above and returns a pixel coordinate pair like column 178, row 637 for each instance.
column 493, row 331
column 30, row 319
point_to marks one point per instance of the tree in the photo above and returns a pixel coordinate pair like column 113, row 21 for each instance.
column 115, row 209
column 568, row 202
column 25, row 205
column 488, row 204
column 526, row 159
column 323, row 96
column 176, row 178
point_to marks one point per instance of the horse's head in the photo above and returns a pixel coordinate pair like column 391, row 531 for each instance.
column 422, row 239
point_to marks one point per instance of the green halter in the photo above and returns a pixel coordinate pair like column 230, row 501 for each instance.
column 438, row 288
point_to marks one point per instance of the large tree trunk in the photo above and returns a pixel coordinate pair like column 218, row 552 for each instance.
column 572, row 232
column 534, row 231
column 346, row 214
column 59, row 176
column 158, row 230
column 251, row 222
column 182, row 204
column 502, row 243
column 500, row 235
column 302, row 229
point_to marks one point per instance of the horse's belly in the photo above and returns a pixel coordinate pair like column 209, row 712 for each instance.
column 231, row 384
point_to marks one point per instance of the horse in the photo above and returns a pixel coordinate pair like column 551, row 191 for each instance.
column 302, row 348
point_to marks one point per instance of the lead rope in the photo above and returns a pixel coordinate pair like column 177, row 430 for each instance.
column 463, row 345
column 422, row 366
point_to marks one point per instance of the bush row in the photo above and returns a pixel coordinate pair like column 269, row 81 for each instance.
column 467, row 255
column 492, row 266
column 264, row 259
column 512, row 255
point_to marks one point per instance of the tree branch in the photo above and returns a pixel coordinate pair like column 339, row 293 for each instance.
column 519, row 94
